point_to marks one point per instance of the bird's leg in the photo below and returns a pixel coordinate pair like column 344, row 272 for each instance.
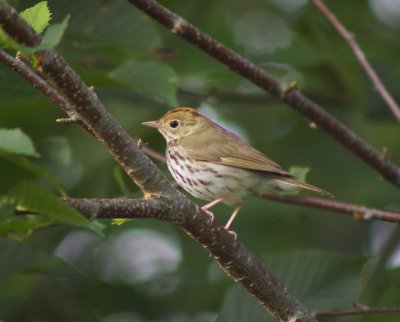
column 232, row 218
column 208, row 206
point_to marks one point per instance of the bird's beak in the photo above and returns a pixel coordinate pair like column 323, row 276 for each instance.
column 155, row 124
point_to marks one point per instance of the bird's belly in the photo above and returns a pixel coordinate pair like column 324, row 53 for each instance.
column 210, row 181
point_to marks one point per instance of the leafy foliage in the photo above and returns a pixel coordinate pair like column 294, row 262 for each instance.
column 51, row 38
column 27, row 197
column 37, row 16
column 14, row 141
column 139, row 71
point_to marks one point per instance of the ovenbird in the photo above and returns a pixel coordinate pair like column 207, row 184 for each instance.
column 216, row 165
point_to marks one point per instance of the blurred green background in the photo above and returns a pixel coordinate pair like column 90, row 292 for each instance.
column 147, row 270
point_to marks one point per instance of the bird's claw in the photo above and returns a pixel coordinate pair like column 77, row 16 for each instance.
column 209, row 214
column 231, row 232
column 211, row 217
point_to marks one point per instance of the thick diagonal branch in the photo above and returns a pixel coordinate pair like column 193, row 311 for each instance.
column 258, row 76
column 162, row 201
column 89, row 108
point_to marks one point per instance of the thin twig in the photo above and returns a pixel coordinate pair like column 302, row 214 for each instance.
column 359, row 310
column 31, row 76
column 153, row 154
column 350, row 39
column 357, row 211
column 258, row 76
column 36, row 80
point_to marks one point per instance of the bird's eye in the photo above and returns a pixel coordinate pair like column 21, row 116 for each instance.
column 174, row 124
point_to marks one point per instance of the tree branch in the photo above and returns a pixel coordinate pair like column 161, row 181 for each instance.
column 36, row 80
column 349, row 38
column 121, row 208
column 237, row 261
column 358, row 310
column 357, row 211
column 161, row 200
column 90, row 110
column 259, row 77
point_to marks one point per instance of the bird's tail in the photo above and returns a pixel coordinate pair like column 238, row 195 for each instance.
column 293, row 183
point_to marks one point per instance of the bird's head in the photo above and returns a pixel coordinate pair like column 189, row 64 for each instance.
column 178, row 123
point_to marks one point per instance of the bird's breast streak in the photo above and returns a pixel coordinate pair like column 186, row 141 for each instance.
column 209, row 181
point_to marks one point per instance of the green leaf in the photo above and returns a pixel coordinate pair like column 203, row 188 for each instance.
column 26, row 169
column 98, row 227
column 50, row 39
column 121, row 221
column 37, row 16
column 28, row 197
column 15, row 141
column 53, row 35
column 22, row 227
column 155, row 80
column 300, row 172
column 320, row 280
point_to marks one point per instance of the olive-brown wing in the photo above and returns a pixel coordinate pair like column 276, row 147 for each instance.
column 231, row 151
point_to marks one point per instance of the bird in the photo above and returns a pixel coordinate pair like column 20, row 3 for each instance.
column 216, row 165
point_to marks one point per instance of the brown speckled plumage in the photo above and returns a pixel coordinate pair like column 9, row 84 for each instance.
column 214, row 164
